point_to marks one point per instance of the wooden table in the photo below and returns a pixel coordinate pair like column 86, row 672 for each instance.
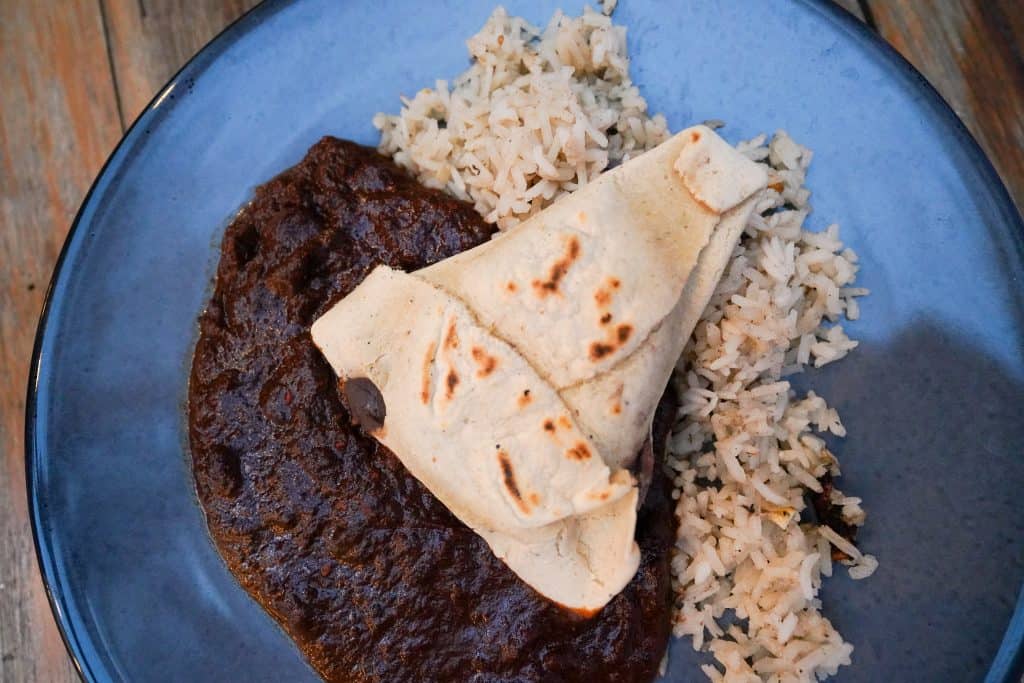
column 75, row 73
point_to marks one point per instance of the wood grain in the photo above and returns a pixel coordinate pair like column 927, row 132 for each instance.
column 57, row 125
column 151, row 39
column 73, row 73
column 972, row 51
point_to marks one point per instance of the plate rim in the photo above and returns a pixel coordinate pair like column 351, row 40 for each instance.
column 55, row 594
column 1006, row 667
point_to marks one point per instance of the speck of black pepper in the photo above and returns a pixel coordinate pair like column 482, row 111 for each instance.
column 31, row 286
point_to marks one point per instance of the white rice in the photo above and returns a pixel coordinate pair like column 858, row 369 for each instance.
column 745, row 452
column 537, row 115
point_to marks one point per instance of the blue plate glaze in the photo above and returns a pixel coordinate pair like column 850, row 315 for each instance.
column 931, row 398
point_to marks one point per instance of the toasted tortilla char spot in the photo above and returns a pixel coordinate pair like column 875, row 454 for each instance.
column 451, row 337
column 559, row 269
column 606, row 318
column 603, row 297
column 616, row 399
column 564, row 422
column 599, row 350
column 549, row 425
column 428, row 360
column 695, row 136
column 580, row 451
column 485, row 361
column 615, row 340
column 508, row 477
column 524, row 398
column 511, row 286
column 451, row 381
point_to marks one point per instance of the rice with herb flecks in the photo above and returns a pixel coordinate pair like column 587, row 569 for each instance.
column 537, row 115
column 746, row 452
column 540, row 113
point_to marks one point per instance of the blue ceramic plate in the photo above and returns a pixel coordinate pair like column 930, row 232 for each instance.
column 931, row 398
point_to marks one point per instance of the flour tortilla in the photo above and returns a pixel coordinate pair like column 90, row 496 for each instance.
column 590, row 290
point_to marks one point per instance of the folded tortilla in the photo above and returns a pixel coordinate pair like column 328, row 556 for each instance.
column 581, row 288
column 521, row 377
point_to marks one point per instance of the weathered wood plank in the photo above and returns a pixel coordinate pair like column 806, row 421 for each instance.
column 57, row 125
column 150, row 40
column 972, row 51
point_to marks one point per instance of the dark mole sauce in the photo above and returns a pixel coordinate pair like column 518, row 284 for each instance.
column 370, row 575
